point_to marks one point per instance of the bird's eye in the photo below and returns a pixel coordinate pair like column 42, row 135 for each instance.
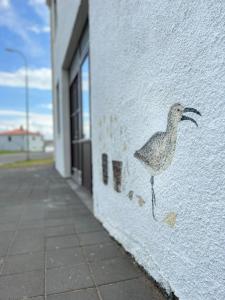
column 178, row 109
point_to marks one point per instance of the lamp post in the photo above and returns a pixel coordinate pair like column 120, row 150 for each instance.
column 26, row 96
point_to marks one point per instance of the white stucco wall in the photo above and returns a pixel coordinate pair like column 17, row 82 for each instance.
column 36, row 143
column 18, row 143
column 61, row 35
column 146, row 56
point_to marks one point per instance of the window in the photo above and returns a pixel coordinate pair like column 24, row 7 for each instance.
column 58, row 110
column 9, row 138
column 80, row 113
column 85, row 98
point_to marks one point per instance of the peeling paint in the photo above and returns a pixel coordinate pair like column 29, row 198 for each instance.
column 105, row 168
column 117, row 175
column 124, row 147
column 100, row 123
column 170, row 219
column 141, row 201
column 130, row 195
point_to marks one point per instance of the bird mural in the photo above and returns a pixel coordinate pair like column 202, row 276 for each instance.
column 157, row 153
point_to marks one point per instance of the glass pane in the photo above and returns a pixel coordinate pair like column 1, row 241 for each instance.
column 85, row 98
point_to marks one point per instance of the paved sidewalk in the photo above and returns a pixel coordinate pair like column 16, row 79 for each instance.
column 51, row 246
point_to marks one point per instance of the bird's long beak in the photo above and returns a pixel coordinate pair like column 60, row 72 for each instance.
column 190, row 109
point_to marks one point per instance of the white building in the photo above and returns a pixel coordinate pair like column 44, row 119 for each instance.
column 16, row 140
column 118, row 67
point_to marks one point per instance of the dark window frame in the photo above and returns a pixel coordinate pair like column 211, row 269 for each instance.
column 82, row 170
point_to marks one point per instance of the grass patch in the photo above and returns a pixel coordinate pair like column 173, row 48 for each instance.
column 2, row 152
column 28, row 163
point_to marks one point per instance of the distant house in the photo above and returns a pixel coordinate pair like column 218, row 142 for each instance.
column 16, row 140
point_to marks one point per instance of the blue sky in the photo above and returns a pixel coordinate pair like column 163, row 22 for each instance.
column 24, row 25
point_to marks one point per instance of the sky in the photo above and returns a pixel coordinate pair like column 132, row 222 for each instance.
column 24, row 25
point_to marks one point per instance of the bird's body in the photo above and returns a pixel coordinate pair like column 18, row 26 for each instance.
column 158, row 152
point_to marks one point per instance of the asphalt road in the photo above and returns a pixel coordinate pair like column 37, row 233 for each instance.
column 10, row 158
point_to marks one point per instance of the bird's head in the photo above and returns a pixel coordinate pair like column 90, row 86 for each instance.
column 176, row 113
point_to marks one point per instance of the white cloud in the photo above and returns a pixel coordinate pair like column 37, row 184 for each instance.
column 37, row 2
column 41, row 9
column 39, row 29
column 13, row 21
column 48, row 106
column 4, row 3
column 38, row 78
column 85, row 81
column 12, row 119
column 85, row 85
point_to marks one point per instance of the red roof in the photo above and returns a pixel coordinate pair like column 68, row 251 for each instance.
column 19, row 131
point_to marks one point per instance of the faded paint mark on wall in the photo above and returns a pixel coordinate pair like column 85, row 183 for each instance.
column 170, row 219
column 141, row 201
column 117, row 175
column 124, row 147
column 105, row 168
column 130, row 195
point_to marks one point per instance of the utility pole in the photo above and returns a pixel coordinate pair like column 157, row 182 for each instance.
column 26, row 97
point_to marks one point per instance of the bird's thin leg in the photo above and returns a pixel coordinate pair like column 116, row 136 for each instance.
column 153, row 192
column 153, row 197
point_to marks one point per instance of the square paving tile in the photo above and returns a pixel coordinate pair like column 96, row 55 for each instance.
column 102, row 252
column 68, row 278
column 96, row 237
column 22, row 285
column 61, row 242
column 65, row 212
column 8, row 227
column 64, row 257
column 135, row 289
column 88, row 294
column 5, row 238
column 58, row 222
column 9, row 217
column 28, row 240
column 88, row 226
column 27, row 224
column 23, row 262
column 108, row 271
column 84, row 219
column 59, row 230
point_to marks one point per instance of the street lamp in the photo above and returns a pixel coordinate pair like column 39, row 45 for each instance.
column 26, row 95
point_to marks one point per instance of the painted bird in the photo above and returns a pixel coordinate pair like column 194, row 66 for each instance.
column 157, row 153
